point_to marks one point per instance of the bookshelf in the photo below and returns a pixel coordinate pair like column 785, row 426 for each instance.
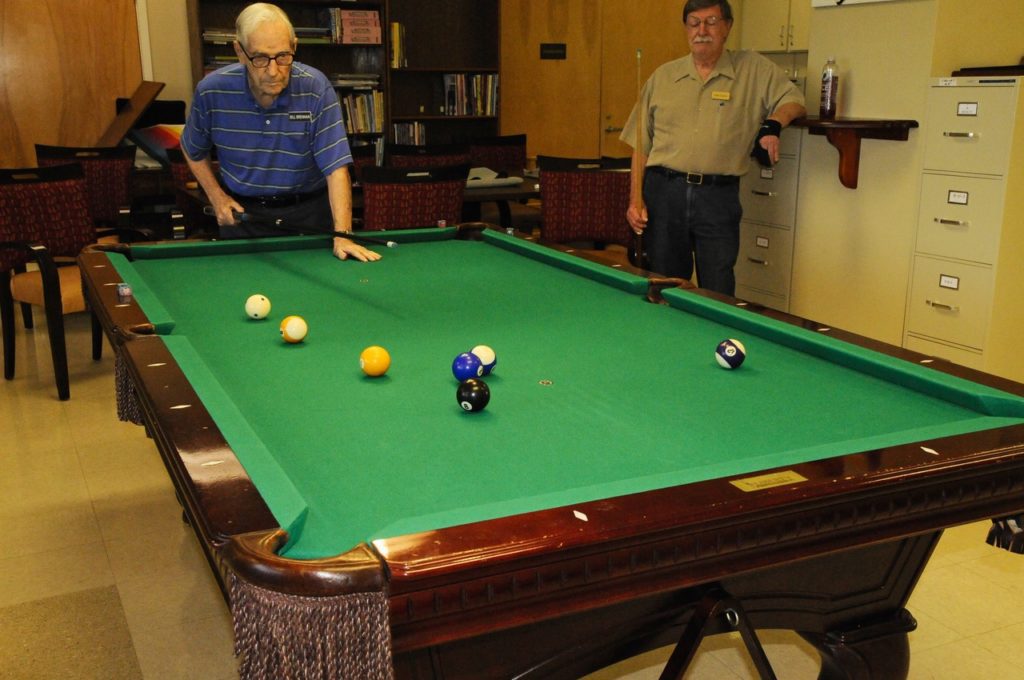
column 344, row 47
column 453, row 42
column 443, row 70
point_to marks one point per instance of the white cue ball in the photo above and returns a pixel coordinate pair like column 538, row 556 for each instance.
column 257, row 307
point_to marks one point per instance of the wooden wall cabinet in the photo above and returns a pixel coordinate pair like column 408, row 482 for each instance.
column 438, row 39
column 775, row 25
column 965, row 303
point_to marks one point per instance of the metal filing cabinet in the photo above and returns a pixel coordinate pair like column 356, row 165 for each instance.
column 966, row 299
column 765, row 264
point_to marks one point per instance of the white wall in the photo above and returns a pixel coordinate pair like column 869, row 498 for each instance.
column 853, row 246
column 166, row 36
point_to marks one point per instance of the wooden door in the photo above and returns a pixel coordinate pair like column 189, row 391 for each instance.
column 655, row 28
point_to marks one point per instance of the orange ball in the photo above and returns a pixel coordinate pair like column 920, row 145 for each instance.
column 293, row 329
column 374, row 361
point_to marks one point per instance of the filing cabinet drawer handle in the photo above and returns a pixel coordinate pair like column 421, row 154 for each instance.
column 754, row 260
column 954, row 223
column 942, row 305
column 763, row 193
column 967, row 135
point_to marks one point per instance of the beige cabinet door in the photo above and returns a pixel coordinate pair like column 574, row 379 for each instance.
column 799, row 25
column 765, row 25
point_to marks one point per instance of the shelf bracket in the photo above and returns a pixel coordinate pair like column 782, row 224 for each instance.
column 845, row 135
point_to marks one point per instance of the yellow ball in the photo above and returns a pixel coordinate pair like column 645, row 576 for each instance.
column 293, row 329
column 374, row 361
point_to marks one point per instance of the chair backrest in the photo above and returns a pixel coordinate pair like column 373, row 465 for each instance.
column 584, row 199
column 181, row 175
column 45, row 205
column 362, row 156
column 506, row 153
column 406, row 198
column 425, row 156
column 108, row 176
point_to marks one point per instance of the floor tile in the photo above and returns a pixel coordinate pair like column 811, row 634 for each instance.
column 57, row 572
column 200, row 651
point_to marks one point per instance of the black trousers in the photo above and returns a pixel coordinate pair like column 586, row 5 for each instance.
column 693, row 223
column 313, row 214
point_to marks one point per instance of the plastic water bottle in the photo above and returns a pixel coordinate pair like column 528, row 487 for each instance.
column 829, row 88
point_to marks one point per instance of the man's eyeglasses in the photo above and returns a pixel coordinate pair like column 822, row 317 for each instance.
column 695, row 22
column 263, row 61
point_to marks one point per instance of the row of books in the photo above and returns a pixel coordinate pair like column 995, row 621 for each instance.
column 409, row 133
column 471, row 94
column 353, row 26
column 355, row 80
column 340, row 27
column 306, row 35
column 364, row 111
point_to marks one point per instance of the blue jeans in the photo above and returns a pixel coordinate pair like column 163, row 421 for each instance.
column 689, row 223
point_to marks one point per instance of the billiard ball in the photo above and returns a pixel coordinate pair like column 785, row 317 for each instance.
column 487, row 357
column 293, row 329
column 257, row 307
column 374, row 361
column 467, row 365
column 473, row 394
column 730, row 353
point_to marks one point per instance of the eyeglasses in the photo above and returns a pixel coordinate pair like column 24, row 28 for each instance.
column 263, row 61
column 695, row 22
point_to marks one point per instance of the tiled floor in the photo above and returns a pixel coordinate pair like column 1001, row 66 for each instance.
column 88, row 510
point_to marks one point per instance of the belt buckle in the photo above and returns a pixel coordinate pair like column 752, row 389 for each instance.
column 694, row 178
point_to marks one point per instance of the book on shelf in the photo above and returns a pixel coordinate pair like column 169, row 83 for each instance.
column 355, row 80
column 396, row 32
column 352, row 26
column 219, row 36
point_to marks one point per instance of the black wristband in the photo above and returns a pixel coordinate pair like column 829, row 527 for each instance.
column 768, row 128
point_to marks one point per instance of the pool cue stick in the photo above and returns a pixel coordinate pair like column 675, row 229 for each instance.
column 323, row 231
column 638, row 176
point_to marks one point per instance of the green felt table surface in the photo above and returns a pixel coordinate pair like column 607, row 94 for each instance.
column 596, row 393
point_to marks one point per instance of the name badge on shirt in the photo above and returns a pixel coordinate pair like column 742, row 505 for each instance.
column 300, row 115
column 721, row 96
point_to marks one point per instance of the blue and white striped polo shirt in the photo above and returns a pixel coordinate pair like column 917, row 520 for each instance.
column 288, row 148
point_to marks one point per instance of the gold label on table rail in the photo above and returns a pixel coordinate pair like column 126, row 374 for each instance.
column 770, row 481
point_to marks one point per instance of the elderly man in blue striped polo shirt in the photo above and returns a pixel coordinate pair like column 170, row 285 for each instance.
column 280, row 139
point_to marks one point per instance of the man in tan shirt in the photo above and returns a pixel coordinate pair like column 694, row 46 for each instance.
column 699, row 118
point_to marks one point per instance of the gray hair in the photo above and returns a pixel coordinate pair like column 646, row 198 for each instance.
column 258, row 13
column 694, row 5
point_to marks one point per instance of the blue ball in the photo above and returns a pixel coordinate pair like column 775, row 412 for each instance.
column 730, row 353
column 467, row 365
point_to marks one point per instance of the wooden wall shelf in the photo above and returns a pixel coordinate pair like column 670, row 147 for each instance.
column 845, row 135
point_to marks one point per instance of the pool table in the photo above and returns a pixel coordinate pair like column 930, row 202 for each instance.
column 618, row 481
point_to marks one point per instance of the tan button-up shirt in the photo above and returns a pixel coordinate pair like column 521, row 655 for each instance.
column 708, row 127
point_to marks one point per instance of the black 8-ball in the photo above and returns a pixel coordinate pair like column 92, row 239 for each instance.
column 473, row 394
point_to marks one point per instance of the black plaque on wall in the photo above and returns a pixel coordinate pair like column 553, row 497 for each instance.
column 552, row 50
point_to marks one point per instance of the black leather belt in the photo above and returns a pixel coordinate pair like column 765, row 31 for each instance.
column 281, row 200
column 695, row 177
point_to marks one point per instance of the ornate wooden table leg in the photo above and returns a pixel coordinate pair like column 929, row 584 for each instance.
column 878, row 651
